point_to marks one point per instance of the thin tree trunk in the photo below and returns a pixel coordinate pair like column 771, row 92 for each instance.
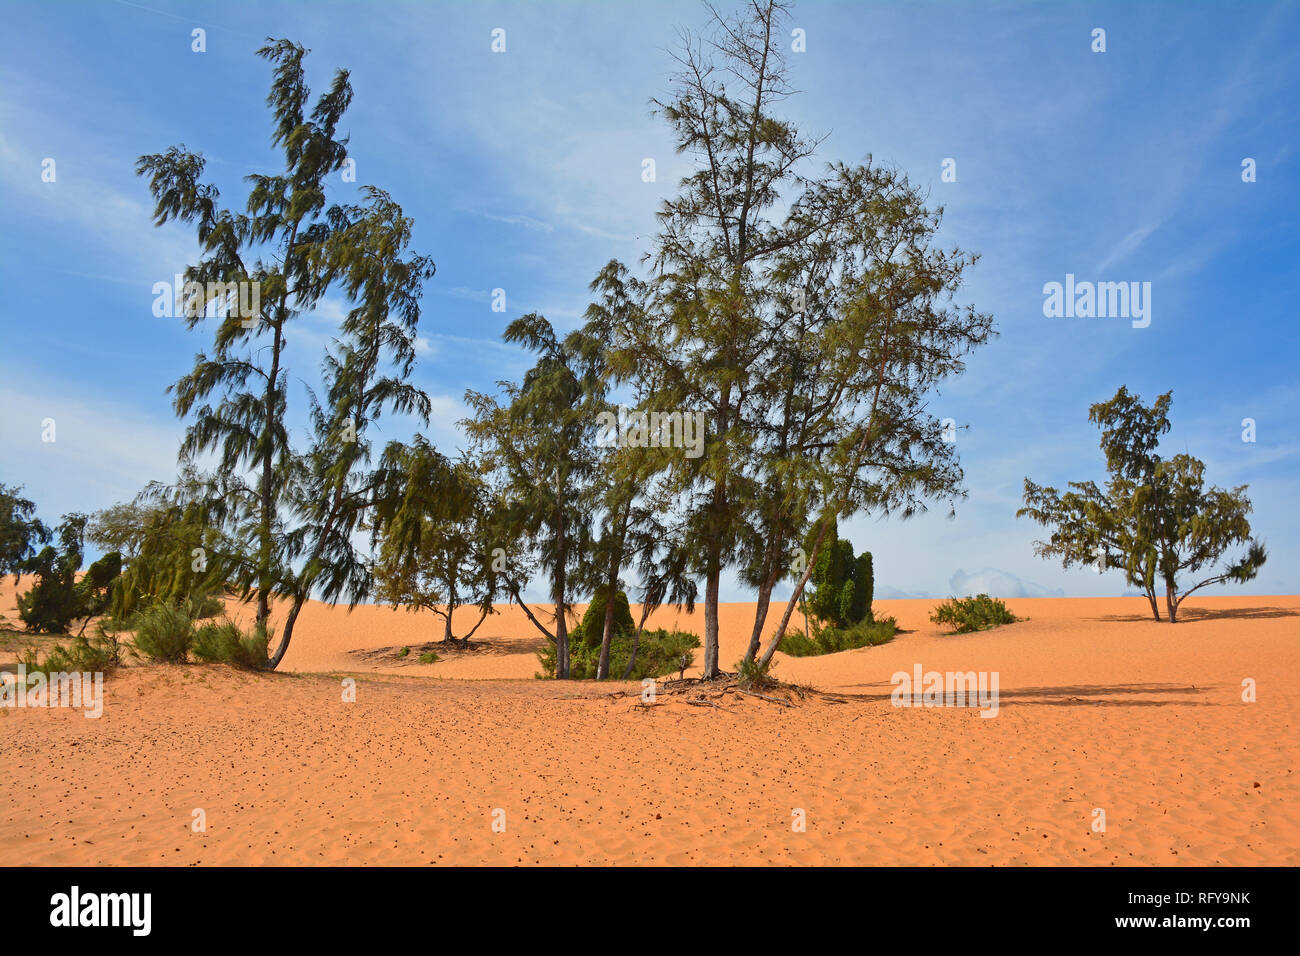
column 760, row 616
column 276, row 658
column 794, row 598
column 481, row 618
column 1155, row 605
column 602, row 666
column 636, row 642
column 514, row 592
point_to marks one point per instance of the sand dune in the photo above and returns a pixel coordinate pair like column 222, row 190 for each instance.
column 1099, row 708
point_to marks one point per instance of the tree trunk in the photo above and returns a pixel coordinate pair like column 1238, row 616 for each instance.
column 1155, row 605
column 602, row 667
column 794, row 598
column 636, row 642
column 711, row 669
column 760, row 617
column 274, row 661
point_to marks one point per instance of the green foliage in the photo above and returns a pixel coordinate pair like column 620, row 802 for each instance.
column 56, row 599
column 404, row 652
column 840, row 587
column 591, row 629
column 659, row 652
column 429, row 657
column 101, row 653
column 164, row 632
column 1156, row 520
column 20, row 531
column 978, row 613
column 225, row 643
column 174, row 556
column 753, row 674
column 832, row 640
column 864, row 587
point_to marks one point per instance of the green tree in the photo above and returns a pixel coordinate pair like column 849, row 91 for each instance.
column 542, row 442
column 21, row 532
column 434, row 547
column 238, row 394
column 807, row 344
column 54, row 600
column 1156, row 520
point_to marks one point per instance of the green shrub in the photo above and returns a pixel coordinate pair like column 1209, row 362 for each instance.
column 591, row 629
column 403, row 652
column 429, row 657
column 754, row 675
column 223, row 642
column 841, row 586
column 832, row 640
column 977, row 613
column 659, row 653
column 164, row 632
column 99, row 654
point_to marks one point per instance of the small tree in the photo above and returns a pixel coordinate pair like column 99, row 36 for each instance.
column 1156, row 519
column 432, row 537
column 54, row 601
column 20, row 530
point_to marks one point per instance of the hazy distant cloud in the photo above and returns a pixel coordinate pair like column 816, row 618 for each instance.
column 1002, row 584
column 883, row 592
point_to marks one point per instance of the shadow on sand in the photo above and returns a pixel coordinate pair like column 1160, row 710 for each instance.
column 1096, row 695
column 1189, row 614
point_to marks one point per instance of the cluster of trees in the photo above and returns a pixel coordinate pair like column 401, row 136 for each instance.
column 53, row 557
column 1155, row 519
column 805, row 313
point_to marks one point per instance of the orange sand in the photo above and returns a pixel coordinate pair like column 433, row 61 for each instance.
column 1100, row 708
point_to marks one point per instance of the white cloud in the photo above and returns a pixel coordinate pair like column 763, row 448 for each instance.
column 997, row 583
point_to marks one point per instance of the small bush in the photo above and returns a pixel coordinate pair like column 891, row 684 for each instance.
column 164, row 632
column 659, row 653
column 403, row 652
column 753, row 675
column 832, row 640
column 429, row 657
column 223, row 642
column 978, row 613
column 99, row 654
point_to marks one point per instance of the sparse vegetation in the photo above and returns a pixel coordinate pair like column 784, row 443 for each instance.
column 164, row 632
column 225, row 642
column 978, row 613
column 659, row 652
column 831, row 640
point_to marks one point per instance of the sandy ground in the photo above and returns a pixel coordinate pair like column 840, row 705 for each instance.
column 1100, row 708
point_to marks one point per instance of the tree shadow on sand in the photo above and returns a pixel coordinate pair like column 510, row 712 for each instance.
column 1078, row 695
column 1188, row 614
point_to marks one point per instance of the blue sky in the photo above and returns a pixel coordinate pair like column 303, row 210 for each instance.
column 522, row 171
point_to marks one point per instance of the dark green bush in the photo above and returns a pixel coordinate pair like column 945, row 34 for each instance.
column 977, row 613
column 591, row 629
column 224, row 642
column 831, row 640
